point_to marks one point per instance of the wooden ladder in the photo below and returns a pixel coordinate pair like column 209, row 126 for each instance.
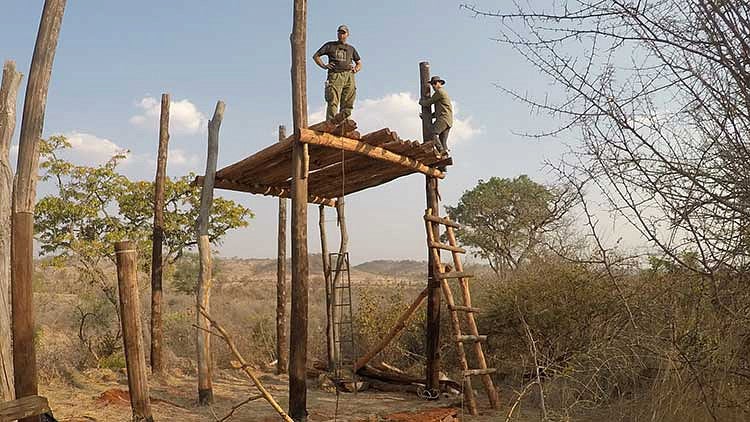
column 432, row 226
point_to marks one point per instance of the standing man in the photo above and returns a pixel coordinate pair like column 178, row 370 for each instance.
column 340, row 86
column 443, row 114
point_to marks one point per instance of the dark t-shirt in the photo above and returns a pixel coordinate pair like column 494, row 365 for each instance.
column 341, row 55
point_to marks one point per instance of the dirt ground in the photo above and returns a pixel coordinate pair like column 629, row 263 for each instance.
column 102, row 396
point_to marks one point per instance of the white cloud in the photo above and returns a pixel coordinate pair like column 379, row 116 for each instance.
column 400, row 112
column 184, row 116
column 93, row 149
column 180, row 157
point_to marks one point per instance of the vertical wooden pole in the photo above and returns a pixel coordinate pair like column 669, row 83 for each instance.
column 132, row 333
column 328, row 287
column 282, row 348
column 157, row 261
column 8, row 98
column 433, row 284
column 300, row 269
column 343, row 247
column 205, row 387
column 24, row 200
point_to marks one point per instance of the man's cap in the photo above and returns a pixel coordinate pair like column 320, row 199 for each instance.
column 436, row 79
column 343, row 28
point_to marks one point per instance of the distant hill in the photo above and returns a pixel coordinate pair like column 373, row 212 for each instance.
column 403, row 269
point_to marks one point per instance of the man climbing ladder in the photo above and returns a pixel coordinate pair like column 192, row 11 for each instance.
column 341, row 88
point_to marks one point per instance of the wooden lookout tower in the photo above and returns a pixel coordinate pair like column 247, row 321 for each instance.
column 322, row 163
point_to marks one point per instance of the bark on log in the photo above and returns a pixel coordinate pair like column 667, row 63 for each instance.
column 433, row 284
column 328, row 288
column 351, row 145
column 132, row 332
column 205, row 387
column 300, row 269
column 24, row 199
column 282, row 348
column 8, row 99
column 157, row 240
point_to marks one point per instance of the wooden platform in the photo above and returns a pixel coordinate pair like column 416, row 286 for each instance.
column 369, row 160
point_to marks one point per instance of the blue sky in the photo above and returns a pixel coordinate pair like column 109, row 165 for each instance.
column 113, row 58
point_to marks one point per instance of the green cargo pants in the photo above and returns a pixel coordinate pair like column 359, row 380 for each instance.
column 340, row 89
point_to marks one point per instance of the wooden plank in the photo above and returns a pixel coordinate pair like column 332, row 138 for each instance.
column 443, row 221
column 132, row 332
column 23, row 408
column 203, row 295
column 476, row 372
column 443, row 246
column 282, row 348
column 157, row 240
column 351, row 145
column 393, row 332
column 24, row 200
column 300, row 265
column 489, row 386
column 8, row 99
column 454, row 274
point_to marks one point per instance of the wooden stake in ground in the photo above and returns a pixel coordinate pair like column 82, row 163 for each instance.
column 132, row 333
column 433, row 284
column 157, row 261
column 330, row 345
column 205, row 388
column 300, row 268
column 8, row 98
column 282, row 350
column 24, row 200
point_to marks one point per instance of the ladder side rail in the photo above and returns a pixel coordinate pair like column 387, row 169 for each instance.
column 471, row 321
column 448, row 294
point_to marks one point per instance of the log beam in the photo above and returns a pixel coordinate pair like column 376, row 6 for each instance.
column 353, row 145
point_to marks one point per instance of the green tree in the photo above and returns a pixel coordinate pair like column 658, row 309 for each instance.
column 507, row 220
column 95, row 206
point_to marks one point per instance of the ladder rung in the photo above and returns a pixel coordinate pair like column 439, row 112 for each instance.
column 474, row 372
column 443, row 221
column 454, row 274
column 464, row 309
column 471, row 339
column 447, row 247
column 343, row 304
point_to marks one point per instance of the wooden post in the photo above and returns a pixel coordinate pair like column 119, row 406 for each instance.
column 8, row 98
column 132, row 333
column 282, row 348
column 205, row 388
column 328, row 287
column 432, row 374
column 24, row 200
column 157, row 261
column 300, row 269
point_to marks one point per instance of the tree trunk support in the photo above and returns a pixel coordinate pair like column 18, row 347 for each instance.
column 300, row 268
column 432, row 374
column 205, row 386
column 8, row 99
column 282, row 350
column 157, row 239
column 24, row 199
